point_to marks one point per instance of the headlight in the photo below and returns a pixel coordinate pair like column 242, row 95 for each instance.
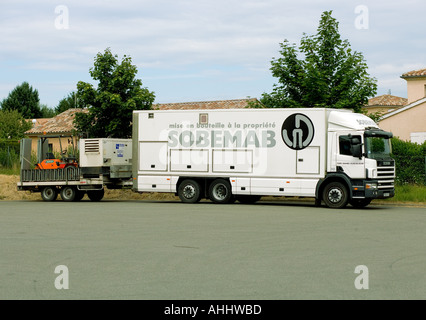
column 371, row 186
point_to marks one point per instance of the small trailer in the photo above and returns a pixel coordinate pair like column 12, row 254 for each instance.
column 102, row 163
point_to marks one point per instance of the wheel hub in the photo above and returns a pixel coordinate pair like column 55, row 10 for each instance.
column 335, row 195
column 220, row 192
column 189, row 192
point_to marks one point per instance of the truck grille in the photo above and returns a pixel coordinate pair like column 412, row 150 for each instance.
column 386, row 174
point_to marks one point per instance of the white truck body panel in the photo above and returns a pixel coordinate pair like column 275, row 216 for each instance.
column 262, row 151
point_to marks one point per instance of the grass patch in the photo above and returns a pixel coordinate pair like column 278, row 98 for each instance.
column 10, row 171
column 409, row 193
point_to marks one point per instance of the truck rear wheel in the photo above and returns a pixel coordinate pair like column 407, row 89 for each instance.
column 335, row 195
column 189, row 191
column 220, row 191
column 96, row 195
column 49, row 193
column 68, row 193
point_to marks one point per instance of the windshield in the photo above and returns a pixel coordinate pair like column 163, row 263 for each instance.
column 377, row 147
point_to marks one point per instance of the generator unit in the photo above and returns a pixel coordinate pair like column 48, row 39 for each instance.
column 107, row 156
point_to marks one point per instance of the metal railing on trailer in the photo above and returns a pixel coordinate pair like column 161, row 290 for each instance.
column 40, row 175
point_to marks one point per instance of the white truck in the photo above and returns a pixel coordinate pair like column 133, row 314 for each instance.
column 335, row 156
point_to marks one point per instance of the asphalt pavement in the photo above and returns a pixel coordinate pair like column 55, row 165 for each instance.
column 158, row 250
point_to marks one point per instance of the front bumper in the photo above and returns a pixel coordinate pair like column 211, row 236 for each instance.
column 370, row 189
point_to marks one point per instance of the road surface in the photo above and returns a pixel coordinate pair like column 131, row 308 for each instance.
column 170, row 250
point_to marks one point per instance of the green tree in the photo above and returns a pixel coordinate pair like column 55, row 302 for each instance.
column 25, row 100
column 46, row 112
column 111, row 104
column 329, row 75
column 375, row 116
column 69, row 102
column 13, row 125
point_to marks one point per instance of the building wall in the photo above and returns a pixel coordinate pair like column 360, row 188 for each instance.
column 416, row 89
column 404, row 123
column 56, row 146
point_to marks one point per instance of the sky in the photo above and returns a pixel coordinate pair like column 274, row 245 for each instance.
column 196, row 50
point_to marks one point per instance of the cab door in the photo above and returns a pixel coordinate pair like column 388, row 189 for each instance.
column 352, row 166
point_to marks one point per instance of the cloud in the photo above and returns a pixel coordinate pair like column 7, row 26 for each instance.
column 192, row 40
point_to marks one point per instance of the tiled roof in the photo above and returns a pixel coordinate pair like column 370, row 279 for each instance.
column 220, row 104
column 38, row 121
column 63, row 122
column 387, row 100
column 420, row 102
column 415, row 73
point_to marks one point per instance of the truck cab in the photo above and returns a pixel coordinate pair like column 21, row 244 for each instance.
column 359, row 159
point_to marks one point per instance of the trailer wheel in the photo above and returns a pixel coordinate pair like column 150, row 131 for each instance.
column 96, row 195
column 189, row 191
column 335, row 195
column 79, row 195
column 220, row 191
column 49, row 193
column 360, row 203
column 68, row 193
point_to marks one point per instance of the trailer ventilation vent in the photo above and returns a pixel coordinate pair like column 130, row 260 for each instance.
column 91, row 146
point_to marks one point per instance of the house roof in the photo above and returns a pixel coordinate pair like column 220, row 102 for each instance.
column 387, row 100
column 220, row 104
column 411, row 105
column 61, row 123
column 38, row 121
column 414, row 73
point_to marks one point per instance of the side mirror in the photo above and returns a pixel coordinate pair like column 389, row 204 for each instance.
column 356, row 150
column 355, row 141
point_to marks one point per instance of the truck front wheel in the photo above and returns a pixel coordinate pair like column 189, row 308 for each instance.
column 49, row 193
column 335, row 195
column 189, row 191
column 360, row 203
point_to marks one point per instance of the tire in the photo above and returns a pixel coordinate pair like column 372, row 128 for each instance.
column 96, row 195
column 79, row 195
column 220, row 191
column 360, row 203
column 49, row 193
column 335, row 195
column 68, row 193
column 189, row 191
column 249, row 199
